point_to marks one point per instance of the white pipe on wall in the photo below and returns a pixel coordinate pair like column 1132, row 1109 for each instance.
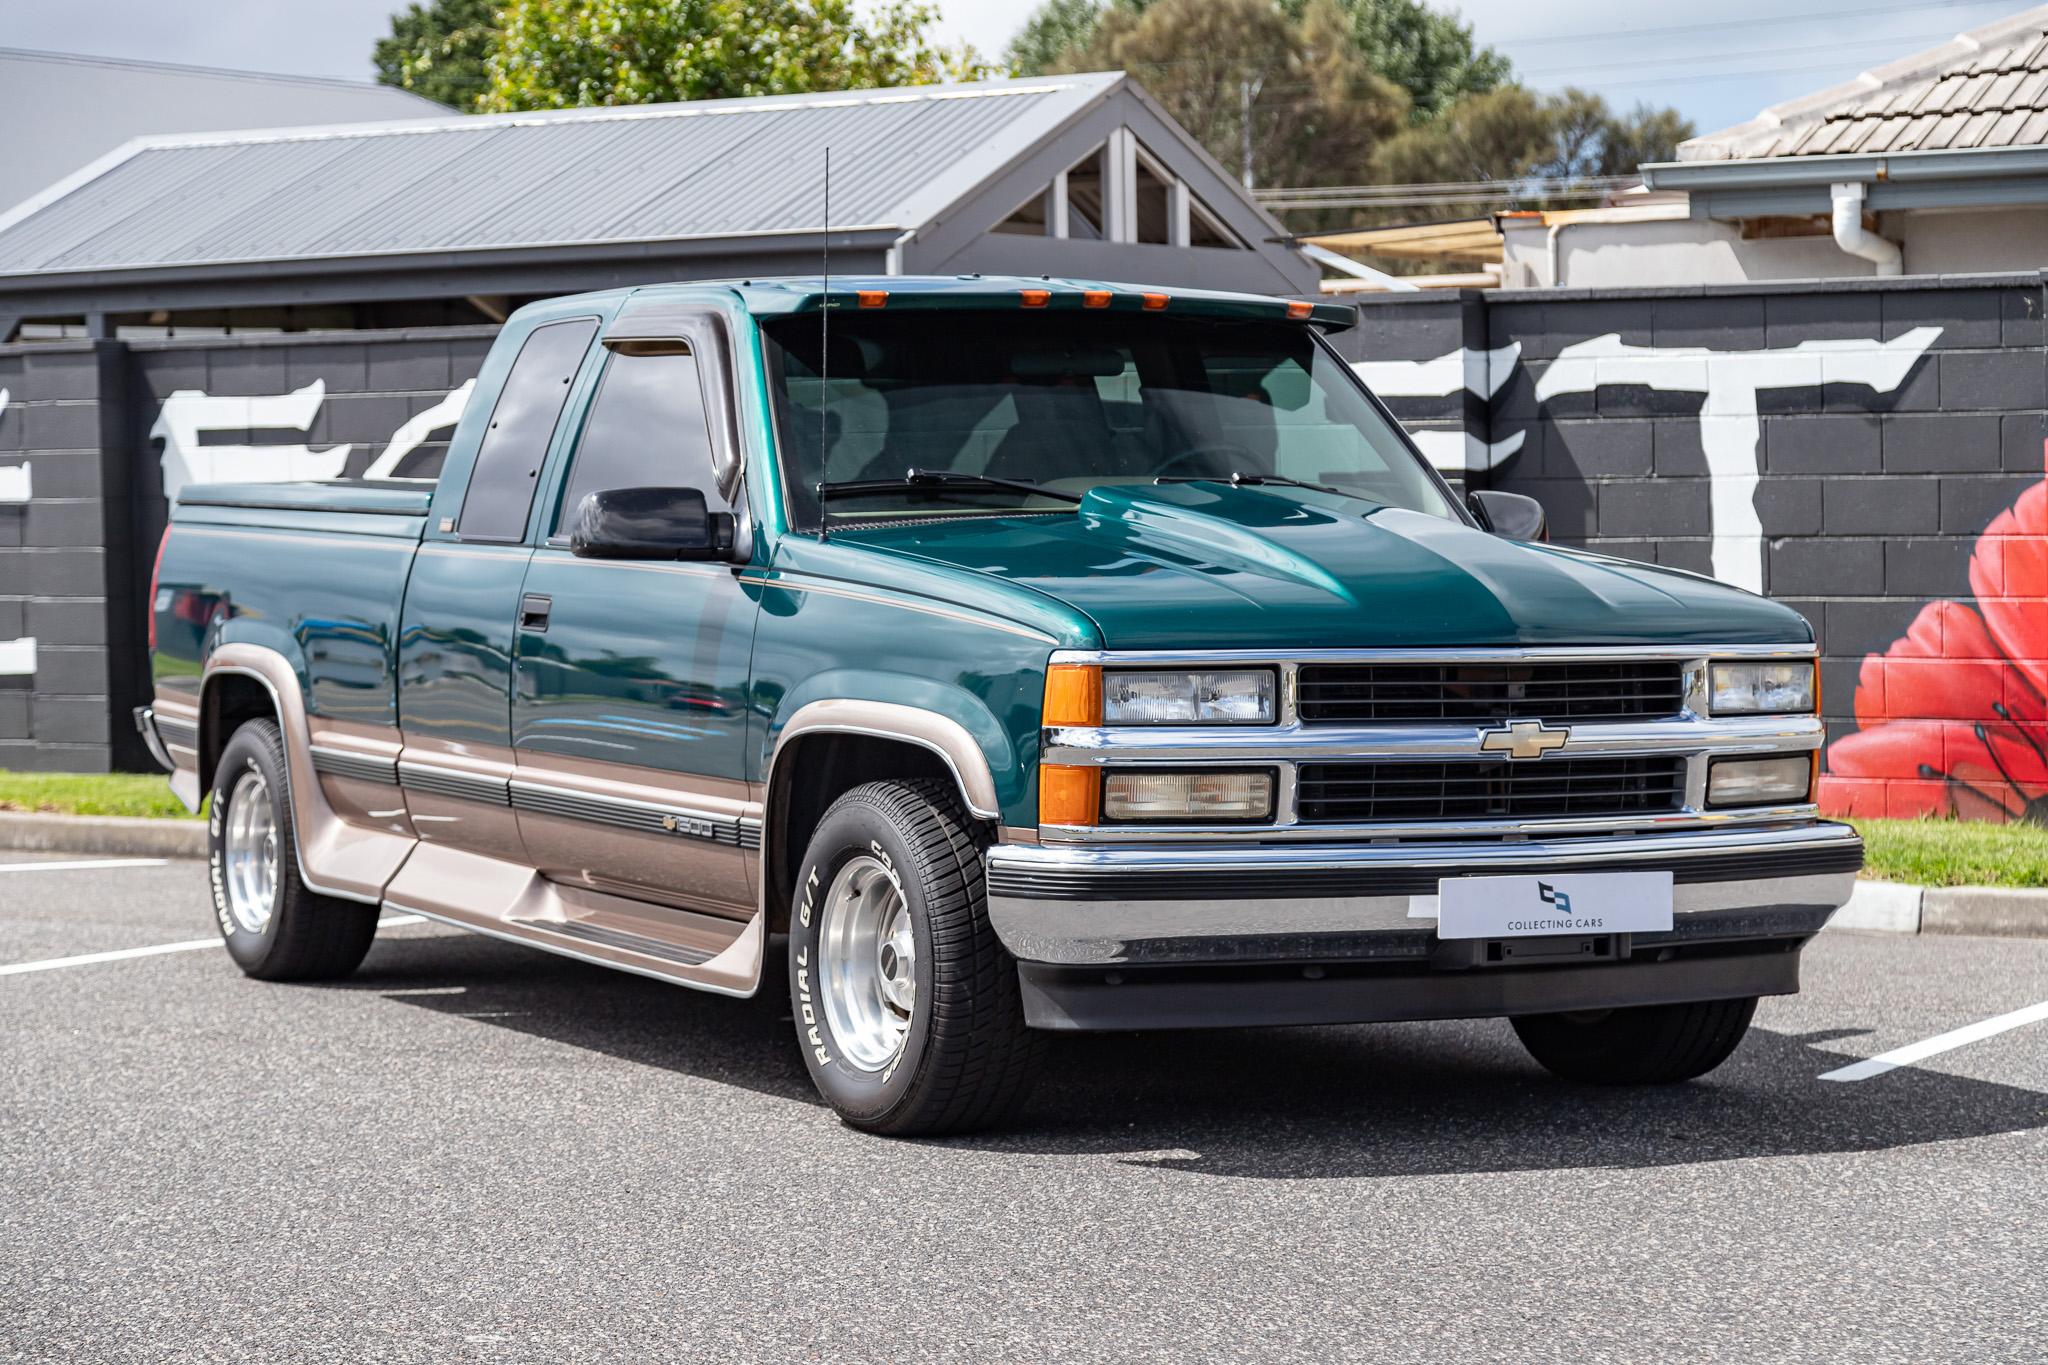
column 1852, row 237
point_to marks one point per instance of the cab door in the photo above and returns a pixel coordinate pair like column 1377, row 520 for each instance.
column 629, row 709
column 456, row 633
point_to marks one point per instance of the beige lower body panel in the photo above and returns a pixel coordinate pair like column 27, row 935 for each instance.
column 511, row 901
column 669, row 866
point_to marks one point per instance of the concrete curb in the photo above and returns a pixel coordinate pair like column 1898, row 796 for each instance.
column 123, row 836
column 1983, row 911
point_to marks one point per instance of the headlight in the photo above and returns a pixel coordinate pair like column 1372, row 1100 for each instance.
column 1759, row 781
column 1244, row 698
column 1173, row 797
column 1761, row 689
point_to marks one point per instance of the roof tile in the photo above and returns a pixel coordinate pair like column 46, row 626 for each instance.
column 1973, row 82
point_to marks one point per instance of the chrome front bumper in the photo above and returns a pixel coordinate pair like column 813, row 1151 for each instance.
column 1238, row 905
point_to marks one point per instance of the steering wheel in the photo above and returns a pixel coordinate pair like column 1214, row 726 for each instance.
column 1250, row 465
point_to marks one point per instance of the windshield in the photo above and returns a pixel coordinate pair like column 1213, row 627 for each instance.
column 1069, row 401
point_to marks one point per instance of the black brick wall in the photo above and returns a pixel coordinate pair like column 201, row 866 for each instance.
column 74, row 565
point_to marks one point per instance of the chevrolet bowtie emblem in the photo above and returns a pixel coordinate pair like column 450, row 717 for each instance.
column 1525, row 739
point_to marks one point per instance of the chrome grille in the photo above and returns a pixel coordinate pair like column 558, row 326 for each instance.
column 1334, row 694
column 1409, row 792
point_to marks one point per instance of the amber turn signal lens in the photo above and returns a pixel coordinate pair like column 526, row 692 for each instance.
column 1095, row 298
column 1154, row 302
column 1073, row 695
column 873, row 298
column 1035, row 298
column 1298, row 311
column 1068, row 796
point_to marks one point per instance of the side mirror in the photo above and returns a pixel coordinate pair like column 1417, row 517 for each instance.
column 1509, row 515
column 649, row 523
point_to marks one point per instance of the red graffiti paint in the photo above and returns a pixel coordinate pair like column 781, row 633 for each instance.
column 1953, row 719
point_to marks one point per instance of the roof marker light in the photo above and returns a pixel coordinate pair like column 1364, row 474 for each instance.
column 1154, row 302
column 1298, row 311
column 873, row 298
column 1095, row 298
column 1036, row 298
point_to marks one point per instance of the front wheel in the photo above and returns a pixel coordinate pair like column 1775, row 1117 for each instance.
column 906, row 1004
column 276, row 929
column 1646, row 1045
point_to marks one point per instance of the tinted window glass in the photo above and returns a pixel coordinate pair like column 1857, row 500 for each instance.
column 1074, row 400
column 508, row 463
column 646, row 430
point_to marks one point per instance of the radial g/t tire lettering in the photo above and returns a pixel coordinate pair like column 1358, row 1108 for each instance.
column 276, row 929
column 907, row 1006
column 1647, row 1045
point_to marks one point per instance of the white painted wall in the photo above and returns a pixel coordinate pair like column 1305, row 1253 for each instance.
column 1970, row 241
column 1702, row 251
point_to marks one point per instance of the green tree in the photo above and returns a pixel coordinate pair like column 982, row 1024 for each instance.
column 1053, row 28
column 1510, row 133
column 558, row 54
column 438, row 50
column 1278, row 100
column 1428, row 52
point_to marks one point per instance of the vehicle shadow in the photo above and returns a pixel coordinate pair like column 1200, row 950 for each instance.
column 1448, row 1098
column 747, row 1043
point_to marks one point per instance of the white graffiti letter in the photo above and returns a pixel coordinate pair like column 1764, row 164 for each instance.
column 1459, row 371
column 187, row 412
column 1729, row 427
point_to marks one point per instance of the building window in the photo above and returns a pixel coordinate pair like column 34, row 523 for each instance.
column 1120, row 192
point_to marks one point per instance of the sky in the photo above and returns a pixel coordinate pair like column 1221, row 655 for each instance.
column 1718, row 64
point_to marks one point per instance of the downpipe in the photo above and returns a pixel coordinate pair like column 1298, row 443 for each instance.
column 1852, row 237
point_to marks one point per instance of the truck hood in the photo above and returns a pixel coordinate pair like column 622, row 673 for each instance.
column 1199, row 565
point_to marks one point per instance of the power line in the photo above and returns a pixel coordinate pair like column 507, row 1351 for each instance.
column 1616, row 35
column 1727, row 56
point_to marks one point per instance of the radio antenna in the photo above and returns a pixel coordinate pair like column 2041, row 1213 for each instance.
column 825, row 349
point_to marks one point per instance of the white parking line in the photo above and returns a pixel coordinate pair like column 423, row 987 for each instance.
column 1940, row 1042
column 74, row 867
column 123, row 954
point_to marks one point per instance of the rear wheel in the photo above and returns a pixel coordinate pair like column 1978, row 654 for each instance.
column 276, row 929
column 1646, row 1045
column 906, row 1004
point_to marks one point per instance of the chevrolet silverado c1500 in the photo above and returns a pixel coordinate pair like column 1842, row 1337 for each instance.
column 1024, row 655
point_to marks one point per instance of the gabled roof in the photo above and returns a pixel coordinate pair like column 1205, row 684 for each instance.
column 1983, row 89
column 572, row 177
column 81, row 108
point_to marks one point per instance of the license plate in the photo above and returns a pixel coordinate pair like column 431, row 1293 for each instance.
column 1569, row 903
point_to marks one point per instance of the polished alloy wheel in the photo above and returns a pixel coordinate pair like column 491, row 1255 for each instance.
column 251, row 854
column 868, row 961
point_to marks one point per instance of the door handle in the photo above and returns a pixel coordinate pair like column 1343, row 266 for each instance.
column 533, row 611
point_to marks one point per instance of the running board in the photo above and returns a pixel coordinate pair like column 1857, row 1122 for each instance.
column 508, row 901
column 620, row 938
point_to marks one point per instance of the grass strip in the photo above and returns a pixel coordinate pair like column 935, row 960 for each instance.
column 1954, row 852
column 143, row 794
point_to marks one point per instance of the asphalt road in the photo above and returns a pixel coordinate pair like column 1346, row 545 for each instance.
column 474, row 1151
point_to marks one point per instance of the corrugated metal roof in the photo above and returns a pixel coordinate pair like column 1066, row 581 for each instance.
column 569, row 177
column 1984, row 88
column 80, row 108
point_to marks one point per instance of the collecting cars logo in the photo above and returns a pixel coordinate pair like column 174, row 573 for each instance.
column 1555, row 914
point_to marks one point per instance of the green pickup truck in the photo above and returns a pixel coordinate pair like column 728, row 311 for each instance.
column 1014, row 655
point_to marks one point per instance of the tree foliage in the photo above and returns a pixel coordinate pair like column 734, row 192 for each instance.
column 1427, row 52
column 566, row 53
column 1281, row 99
column 438, row 50
column 1511, row 133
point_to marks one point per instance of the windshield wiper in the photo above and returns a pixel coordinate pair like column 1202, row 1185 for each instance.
column 1236, row 479
column 939, row 478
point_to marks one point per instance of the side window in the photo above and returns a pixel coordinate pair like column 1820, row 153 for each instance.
column 508, row 463
column 646, row 430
